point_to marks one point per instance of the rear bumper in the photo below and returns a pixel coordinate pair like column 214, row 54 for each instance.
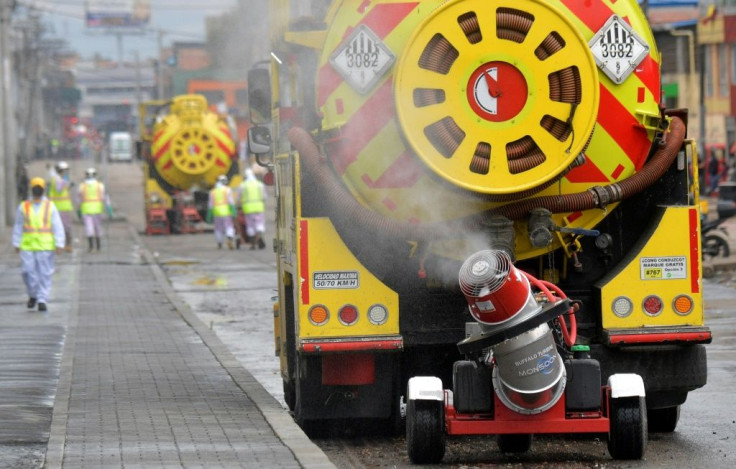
column 352, row 344
column 658, row 336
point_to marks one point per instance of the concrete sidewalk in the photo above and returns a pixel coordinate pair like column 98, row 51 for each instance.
column 141, row 381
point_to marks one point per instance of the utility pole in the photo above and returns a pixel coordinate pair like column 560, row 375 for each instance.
column 137, row 79
column 7, row 175
column 137, row 108
column 160, row 65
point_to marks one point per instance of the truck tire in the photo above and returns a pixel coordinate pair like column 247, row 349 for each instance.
column 396, row 424
column 289, row 394
column 425, row 434
column 669, row 373
column 663, row 420
column 514, row 443
column 312, row 427
column 627, row 436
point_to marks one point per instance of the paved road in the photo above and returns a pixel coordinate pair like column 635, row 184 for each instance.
column 212, row 282
column 231, row 292
column 141, row 381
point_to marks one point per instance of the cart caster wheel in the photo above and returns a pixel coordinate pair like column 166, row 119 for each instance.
column 627, row 437
column 425, row 434
column 514, row 443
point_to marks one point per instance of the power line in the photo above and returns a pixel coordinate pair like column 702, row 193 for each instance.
column 174, row 6
column 32, row 5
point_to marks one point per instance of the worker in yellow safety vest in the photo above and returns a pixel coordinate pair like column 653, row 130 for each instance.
column 220, row 210
column 252, row 197
column 38, row 235
column 92, row 203
column 59, row 194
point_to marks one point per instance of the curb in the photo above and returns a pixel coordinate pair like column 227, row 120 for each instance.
column 54, row 456
column 308, row 454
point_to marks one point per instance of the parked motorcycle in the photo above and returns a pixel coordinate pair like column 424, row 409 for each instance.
column 714, row 236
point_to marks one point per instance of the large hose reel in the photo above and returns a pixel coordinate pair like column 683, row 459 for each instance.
column 497, row 100
column 192, row 145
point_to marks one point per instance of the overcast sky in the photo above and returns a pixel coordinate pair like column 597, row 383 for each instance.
column 177, row 20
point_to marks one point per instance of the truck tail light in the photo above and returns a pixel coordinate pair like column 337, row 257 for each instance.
column 652, row 305
column 348, row 315
column 318, row 315
column 622, row 306
column 377, row 314
column 683, row 304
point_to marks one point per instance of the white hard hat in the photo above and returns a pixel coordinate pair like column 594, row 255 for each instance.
column 222, row 178
column 91, row 172
column 248, row 173
column 62, row 166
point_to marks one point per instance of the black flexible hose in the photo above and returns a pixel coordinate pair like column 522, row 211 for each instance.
column 344, row 206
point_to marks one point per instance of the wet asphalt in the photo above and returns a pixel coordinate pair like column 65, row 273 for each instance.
column 231, row 292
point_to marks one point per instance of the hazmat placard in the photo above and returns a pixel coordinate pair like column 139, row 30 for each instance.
column 335, row 280
column 663, row 268
column 362, row 59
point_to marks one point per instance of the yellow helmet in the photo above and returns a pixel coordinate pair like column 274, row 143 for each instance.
column 37, row 181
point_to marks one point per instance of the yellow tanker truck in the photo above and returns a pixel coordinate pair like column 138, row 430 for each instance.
column 407, row 137
column 184, row 148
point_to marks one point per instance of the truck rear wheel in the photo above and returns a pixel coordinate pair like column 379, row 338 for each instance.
column 289, row 394
column 663, row 420
column 425, row 433
column 313, row 428
column 627, row 436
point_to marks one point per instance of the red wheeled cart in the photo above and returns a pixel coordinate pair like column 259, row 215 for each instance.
column 519, row 377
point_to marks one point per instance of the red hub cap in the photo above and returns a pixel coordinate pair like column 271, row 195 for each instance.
column 497, row 91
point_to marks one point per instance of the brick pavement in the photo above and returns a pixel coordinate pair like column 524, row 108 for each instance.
column 143, row 383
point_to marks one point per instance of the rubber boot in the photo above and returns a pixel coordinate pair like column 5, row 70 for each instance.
column 90, row 242
column 97, row 240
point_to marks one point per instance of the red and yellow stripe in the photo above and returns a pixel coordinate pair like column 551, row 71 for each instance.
column 369, row 152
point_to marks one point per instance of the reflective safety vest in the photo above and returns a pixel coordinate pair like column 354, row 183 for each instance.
column 220, row 205
column 91, row 198
column 61, row 199
column 251, row 197
column 37, row 234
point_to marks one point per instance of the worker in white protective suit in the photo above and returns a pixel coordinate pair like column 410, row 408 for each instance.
column 38, row 234
column 93, row 201
column 252, row 197
column 59, row 193
column 220, row 210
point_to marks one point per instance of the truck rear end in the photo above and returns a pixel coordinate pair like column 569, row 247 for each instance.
column 407, row 136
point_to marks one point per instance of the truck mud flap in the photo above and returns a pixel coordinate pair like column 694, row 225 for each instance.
column 669, row 372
